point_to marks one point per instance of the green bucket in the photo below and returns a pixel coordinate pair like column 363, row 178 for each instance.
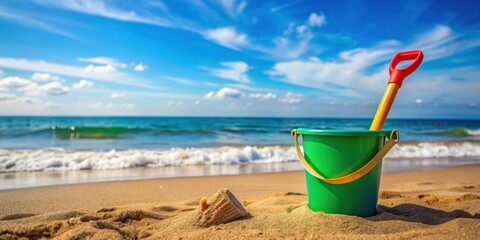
column 343, row 168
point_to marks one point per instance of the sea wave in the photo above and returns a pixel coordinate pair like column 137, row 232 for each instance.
column 85, row 132
column 52, row 159
column 456, row 132
column 68, row 132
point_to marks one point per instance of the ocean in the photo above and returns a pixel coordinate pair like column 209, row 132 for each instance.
column 38, row 151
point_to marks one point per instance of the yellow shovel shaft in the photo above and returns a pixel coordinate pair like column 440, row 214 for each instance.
column 384, row 106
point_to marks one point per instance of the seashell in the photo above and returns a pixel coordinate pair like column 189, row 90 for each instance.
column 221, row 207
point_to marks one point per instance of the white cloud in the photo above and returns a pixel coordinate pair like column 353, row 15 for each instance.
column 140, row 67
column 234, row 7
column 338, row 76
column 27, row 20
column 179, row 80
column 174, row 104
column 263, row 96
column 441, row 41
column 117, row 95
column 369, row 67
column 96, row 105
column 45, row 77
column 54, row 88
column 1, row 73
column 232, row 93
column 206, row 13
column 246, row 87
column 289, row 30
column 440, row 34
column 236, row 71
column 15, row 83
column 434, row 86
column 74, row 71
column 28, row 87
column 294, row 41
column 342, row 76
column 158, row 4
column 127, row 105
column 100, row 69
column 302, row 33
column 302, row 30
column 289, row 47
column 53, row 105
column 82, row 84
column 335, row 76
column 291, row 98
column 212, row 84
column 7, row 96
column 151, row 94
column 101, row 8
column 287, row 5
column 103, row 106
column 228, row 37
column 104, row 61
column 225, row 93
column 28, row 100
column 317, row 20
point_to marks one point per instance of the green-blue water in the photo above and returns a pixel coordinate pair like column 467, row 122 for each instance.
column 156, row 133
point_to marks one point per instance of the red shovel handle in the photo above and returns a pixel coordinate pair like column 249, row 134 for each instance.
column 397, row 75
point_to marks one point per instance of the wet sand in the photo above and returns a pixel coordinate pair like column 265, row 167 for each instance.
column 442, row 204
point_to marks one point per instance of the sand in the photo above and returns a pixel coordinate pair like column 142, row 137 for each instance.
column 436, row 204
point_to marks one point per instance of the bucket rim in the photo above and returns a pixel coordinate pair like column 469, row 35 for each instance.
column 346, row 132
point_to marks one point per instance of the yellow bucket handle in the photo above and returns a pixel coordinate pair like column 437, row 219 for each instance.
column 352, row 176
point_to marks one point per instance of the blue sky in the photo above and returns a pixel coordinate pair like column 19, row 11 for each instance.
column 236, row 57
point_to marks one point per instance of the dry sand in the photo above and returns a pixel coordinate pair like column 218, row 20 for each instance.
column 441, row 204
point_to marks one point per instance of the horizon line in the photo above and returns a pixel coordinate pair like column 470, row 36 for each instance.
column 206, row 116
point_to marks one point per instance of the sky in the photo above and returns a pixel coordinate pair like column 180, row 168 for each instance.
column 236, row 57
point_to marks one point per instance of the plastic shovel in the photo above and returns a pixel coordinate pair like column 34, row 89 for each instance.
column 397, row 75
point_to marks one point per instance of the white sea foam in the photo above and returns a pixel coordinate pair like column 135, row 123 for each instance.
column 62, row 159
column 436, row 150
column 473, row 132
column 52, row 159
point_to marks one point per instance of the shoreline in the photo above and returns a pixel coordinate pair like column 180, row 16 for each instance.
column 34, row 179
